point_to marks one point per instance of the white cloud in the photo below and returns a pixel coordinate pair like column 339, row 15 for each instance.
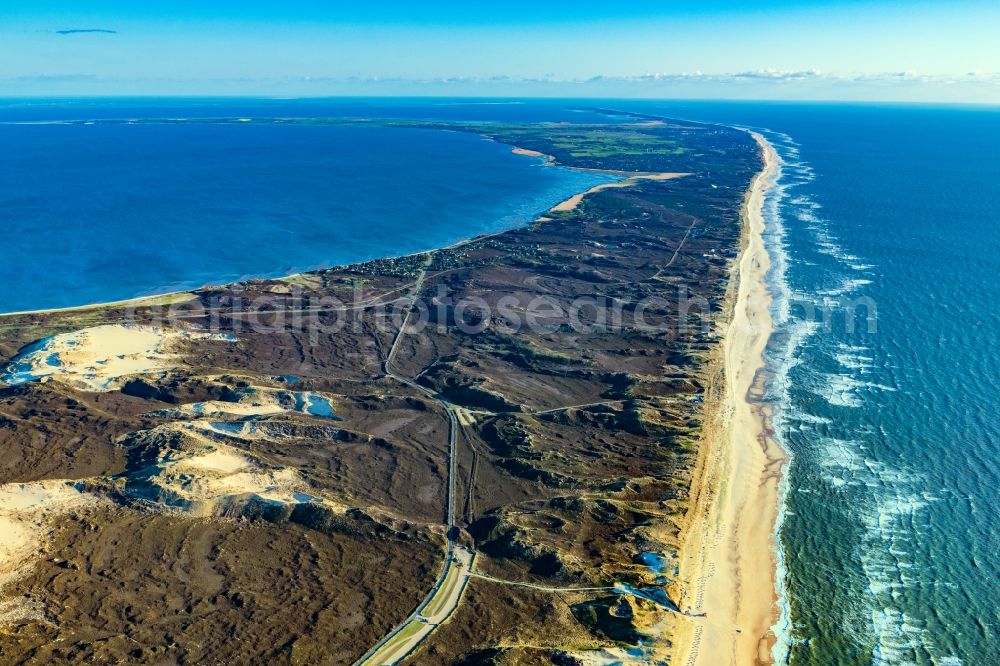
column 768, row 83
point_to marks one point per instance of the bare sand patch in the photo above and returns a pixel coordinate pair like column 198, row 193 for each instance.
column 530, row 153
column 14, row 538
column 577, row 199
column 219, row 461
column 39, row 496
column 201, row 475
column 222, row 409
column 256, row 401
column 200, row 485
column 100, row 358
column 25, row 509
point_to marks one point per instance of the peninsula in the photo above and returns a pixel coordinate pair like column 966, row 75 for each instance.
column 537, row 446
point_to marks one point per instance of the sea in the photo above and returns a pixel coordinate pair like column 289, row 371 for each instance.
column 97, row 212
column 883, row 371
column 884, row 378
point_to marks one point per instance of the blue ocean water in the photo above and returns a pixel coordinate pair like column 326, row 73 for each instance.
column 100, row 212
column 894, row 488
column 890, row 535
column 885, row 227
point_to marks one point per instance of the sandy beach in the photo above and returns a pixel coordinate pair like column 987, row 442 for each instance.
column 169, row 298
column 577, row 199
column 531, row 153
column 728, row 560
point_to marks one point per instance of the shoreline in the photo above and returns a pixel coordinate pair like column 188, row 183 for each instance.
column 628, row 268
column 575, row 200
column 168, row 298
column 729, row 559
column 171, row 297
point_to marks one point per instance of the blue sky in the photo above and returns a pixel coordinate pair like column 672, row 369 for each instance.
column 919, row 50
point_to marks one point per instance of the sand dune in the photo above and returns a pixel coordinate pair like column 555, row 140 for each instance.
column 256, row 401
column 25, row 509
column 100, row 358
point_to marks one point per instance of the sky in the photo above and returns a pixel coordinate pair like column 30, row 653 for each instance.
column 919, row 50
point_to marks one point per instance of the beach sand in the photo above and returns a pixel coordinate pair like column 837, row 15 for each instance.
column 727, row 569
column 576, row 199
column 531, row 153
column 170, row 298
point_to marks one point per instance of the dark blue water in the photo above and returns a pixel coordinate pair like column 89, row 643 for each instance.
column 98, row 212
column 890, row 536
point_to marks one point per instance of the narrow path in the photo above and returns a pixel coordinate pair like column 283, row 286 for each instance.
column 541, row 588
column 580, row 406
column 657, row 597
column 446, row 594
column 677, row 251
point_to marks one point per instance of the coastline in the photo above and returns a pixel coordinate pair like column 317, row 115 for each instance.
column 181, row 295
column 728, row 564
column 626, row 262
column 577, row 199
column 168, row 298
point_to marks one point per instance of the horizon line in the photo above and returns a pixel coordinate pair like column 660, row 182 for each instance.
column 473, row 96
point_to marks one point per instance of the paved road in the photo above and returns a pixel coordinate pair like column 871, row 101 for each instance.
column 446, row 594
column 431, row 613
